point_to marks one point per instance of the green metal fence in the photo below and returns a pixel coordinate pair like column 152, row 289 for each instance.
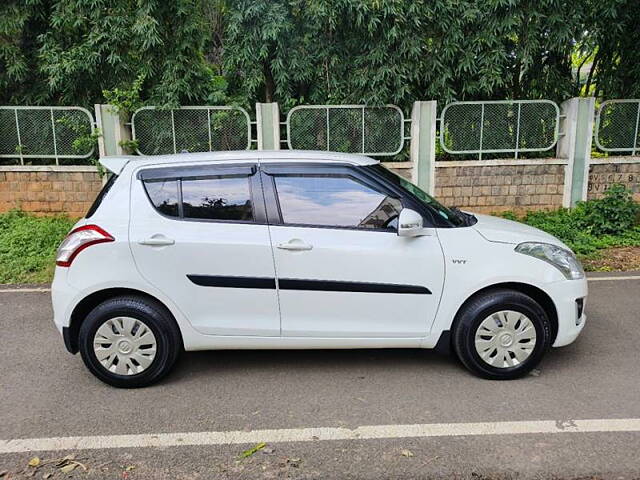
column 191, row 129
column 49, row 133
column 376, row 131
column 617, row 126
column 502, row 126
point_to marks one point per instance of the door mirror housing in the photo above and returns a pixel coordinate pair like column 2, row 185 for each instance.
column 410, row 223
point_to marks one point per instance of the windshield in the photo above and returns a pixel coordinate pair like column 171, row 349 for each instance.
column 452, row 216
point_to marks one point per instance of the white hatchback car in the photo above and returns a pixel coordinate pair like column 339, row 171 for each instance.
column 300, row 250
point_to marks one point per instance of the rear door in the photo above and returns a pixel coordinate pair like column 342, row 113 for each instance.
column 199, row 234
column 342, row 269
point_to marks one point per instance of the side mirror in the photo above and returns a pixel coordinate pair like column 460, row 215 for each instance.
column 410, row 223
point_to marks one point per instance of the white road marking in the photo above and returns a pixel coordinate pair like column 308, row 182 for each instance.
column 24, row 290
column 319, row 434
column 591, row 279
column 602, row 279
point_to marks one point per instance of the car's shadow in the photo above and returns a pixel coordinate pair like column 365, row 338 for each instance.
column 204, row 363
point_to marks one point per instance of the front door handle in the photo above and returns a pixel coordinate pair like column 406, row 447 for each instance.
column 157, row 241
column 295, row 245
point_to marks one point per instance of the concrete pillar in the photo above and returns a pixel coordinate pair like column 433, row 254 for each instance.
column 423, row 144
column 114, row 130
column 575, row 146
column 268, row 126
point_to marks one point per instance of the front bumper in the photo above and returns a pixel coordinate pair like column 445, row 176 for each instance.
column 571, row 318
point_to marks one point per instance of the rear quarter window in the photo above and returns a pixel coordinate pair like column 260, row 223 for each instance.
column 164, row 195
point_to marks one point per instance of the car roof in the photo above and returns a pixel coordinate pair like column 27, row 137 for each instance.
column 115, row 164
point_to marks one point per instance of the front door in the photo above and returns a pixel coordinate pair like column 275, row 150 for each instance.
column 342, row 269
column 199, row 234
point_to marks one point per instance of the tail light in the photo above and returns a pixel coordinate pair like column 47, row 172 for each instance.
column 78, row 240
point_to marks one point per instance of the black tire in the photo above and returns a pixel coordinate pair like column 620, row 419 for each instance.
column 155, row 316
column 476, row 310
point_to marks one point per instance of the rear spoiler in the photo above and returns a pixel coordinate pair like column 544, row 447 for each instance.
column 115, row 164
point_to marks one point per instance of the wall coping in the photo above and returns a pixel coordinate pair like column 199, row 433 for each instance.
column 397, row 164
column 48, row 168
column 500, row 162
column 613, row 160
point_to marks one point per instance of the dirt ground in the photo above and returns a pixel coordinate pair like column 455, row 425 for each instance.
column 614, row 259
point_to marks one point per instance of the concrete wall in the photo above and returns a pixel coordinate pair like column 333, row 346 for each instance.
column 49, row 190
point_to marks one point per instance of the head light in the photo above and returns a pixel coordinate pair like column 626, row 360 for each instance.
column 563, row 260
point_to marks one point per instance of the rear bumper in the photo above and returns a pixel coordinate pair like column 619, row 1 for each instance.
column 570, row 321
column 63, row 297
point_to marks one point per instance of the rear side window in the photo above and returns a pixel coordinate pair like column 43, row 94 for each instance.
column 103, row 192
column 223, row 194
column 335, row 201
column 223, row 198
column 164, row 196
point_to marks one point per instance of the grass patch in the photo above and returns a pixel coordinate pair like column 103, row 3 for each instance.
column 28, row 245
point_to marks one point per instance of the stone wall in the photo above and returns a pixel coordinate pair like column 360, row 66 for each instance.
column 602, row 176
column 49, row 190
column 496, row 188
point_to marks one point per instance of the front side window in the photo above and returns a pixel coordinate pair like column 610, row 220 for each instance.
column 224, row 198
column 335, row 200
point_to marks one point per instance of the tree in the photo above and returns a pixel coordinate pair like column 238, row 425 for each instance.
column 79, row 48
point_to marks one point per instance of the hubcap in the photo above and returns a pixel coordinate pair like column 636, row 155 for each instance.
column 505, row 339
column 124, row 345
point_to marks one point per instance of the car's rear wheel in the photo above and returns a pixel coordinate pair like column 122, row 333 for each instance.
column 501, row 334
column 129, row 341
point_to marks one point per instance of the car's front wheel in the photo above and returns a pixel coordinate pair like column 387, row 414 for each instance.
column 129, row 341
column 501, row 334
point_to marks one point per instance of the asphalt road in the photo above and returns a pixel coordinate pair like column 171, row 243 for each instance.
column 45, row 392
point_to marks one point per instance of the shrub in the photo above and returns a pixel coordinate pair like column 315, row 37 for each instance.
column 613, row 214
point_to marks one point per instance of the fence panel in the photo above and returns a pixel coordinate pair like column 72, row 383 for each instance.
column 45, row 133
column 193, row 128
column 617, row 126
column 501, row 126
column 360, row 129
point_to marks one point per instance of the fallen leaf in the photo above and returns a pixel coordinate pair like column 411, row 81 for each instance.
column 61, row 462
column 406, row 453
column 247, row 453
column 130, row 467
column 47, row 475
column 34, row 462
column 70, row 467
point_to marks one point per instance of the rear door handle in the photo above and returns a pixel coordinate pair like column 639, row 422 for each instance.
column 157, row 241
column 295, row 245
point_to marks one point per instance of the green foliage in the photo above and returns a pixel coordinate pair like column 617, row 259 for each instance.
column 611, row 221
column 28, row 245
column 125, row 99
column 170, row 52
column 70, row 51
column 613, row 214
